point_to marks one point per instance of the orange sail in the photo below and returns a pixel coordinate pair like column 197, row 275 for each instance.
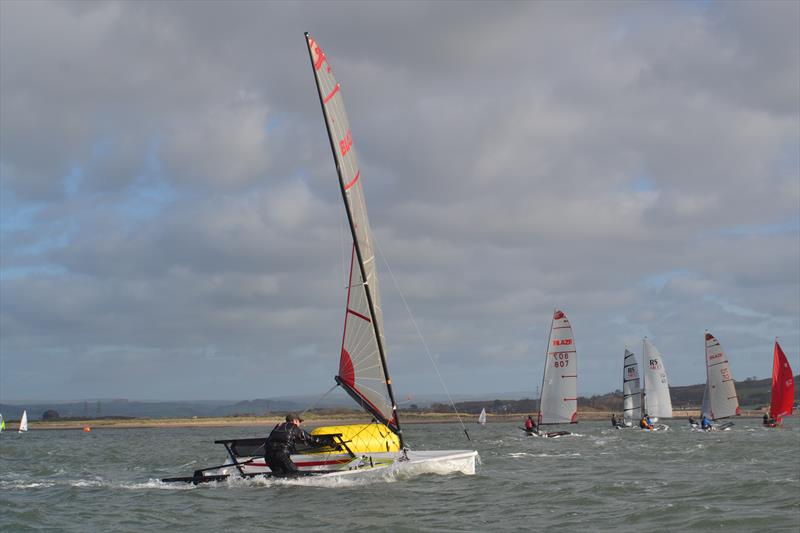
column 782, row 386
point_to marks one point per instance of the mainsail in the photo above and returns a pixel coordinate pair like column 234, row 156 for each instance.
column 719, row 397
column 559, row 400
column 656, row 401
column 631, row 394
column 782, row 398
column 362, row 365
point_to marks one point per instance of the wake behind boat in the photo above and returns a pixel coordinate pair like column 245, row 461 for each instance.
column 363, row 371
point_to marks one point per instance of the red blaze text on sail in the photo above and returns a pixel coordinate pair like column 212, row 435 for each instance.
column 346, row 143
column 562, row 342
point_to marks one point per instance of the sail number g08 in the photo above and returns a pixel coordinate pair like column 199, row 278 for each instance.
column 561, row 359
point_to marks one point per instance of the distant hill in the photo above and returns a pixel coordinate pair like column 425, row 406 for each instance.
column 753, row 394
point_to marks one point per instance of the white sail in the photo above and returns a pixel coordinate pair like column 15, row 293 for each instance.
column 362, row 365
column 656, row 401
column 631, row 393
column 482, row 417
column 23, row 423
column 559, row 400
column 719, row 399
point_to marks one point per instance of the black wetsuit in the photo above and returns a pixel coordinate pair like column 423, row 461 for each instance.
column 281, row 444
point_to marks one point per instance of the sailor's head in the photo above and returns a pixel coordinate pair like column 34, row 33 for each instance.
column 293, row 418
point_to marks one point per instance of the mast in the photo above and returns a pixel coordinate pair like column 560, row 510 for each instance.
column 393, row 424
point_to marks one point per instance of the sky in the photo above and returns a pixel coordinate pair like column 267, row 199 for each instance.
column 171, row 225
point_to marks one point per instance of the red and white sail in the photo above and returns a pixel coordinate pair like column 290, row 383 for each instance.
column 782, row 399
column 559, row 400
column 719, row 399
column 362, row 366
column 656, row 400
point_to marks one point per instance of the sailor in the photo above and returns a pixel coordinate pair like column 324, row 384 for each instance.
column 768, row 421
column 614, row 422
column 281, row 444
column 706, row 424
column 692, row 422
column 645, row 423
column 530, row 425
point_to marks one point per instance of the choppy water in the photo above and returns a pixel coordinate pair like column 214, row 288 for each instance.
column 747, row 479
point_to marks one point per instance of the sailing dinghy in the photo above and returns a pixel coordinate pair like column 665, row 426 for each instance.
column 558, row 403
column 363, row 372
column 23, row 422
column 482, row 417
column 631, row 393
column 781, row 400
column 656, row 401
column 719, row 397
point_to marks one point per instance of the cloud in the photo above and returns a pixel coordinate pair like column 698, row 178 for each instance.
column 169, row 206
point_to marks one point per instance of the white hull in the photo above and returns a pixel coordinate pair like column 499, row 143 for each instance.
column 334, row 465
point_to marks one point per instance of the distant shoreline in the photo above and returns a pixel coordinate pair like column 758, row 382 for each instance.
column 311, row 420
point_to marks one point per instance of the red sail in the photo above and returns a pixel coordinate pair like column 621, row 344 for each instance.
column 782, row 385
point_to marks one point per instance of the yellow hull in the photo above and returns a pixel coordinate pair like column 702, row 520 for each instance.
column 364, row 438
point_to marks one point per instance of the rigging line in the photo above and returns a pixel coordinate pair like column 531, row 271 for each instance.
column 318, row 400
column 422, row 339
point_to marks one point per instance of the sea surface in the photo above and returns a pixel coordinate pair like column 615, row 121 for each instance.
column 602, row 479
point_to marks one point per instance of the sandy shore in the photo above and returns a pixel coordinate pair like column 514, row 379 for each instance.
column 311, row 420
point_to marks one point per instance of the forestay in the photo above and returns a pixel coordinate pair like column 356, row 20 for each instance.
column 656, row 399
column 559, row 399
column 362, row 366
column 631, row 393
column 719, row 398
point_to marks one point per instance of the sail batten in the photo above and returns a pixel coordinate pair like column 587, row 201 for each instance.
column 719, row 397
column 363, row 351
column 559, row 397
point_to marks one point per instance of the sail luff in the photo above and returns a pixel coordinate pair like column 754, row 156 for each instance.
column 350, row 186
column 782, row 394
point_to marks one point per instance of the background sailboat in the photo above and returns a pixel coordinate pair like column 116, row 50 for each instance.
column 782, row 394
column 719, row 397
column 656, row 401
column 558, row 403
column 482, row 417
column 631, row 393
column 23, row 422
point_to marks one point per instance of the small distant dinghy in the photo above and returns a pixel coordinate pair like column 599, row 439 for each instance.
column 655, row 401
column 781, row 401
column 558, row 403
column 359, row 449
column 23, row 422
column 2, row 424
column 719, row 397
column 482, row 417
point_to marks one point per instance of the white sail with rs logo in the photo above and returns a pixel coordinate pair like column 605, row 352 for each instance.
column 656, row 401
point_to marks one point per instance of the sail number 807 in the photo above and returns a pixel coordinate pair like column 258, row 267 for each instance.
column 560, row 359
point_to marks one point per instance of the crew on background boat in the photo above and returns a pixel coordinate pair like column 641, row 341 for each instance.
column 281, row 444
column 645, row 422
column 706, row 424
column 692, row 422
column 530, row 425
column 768, row 421
column 613, row 420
